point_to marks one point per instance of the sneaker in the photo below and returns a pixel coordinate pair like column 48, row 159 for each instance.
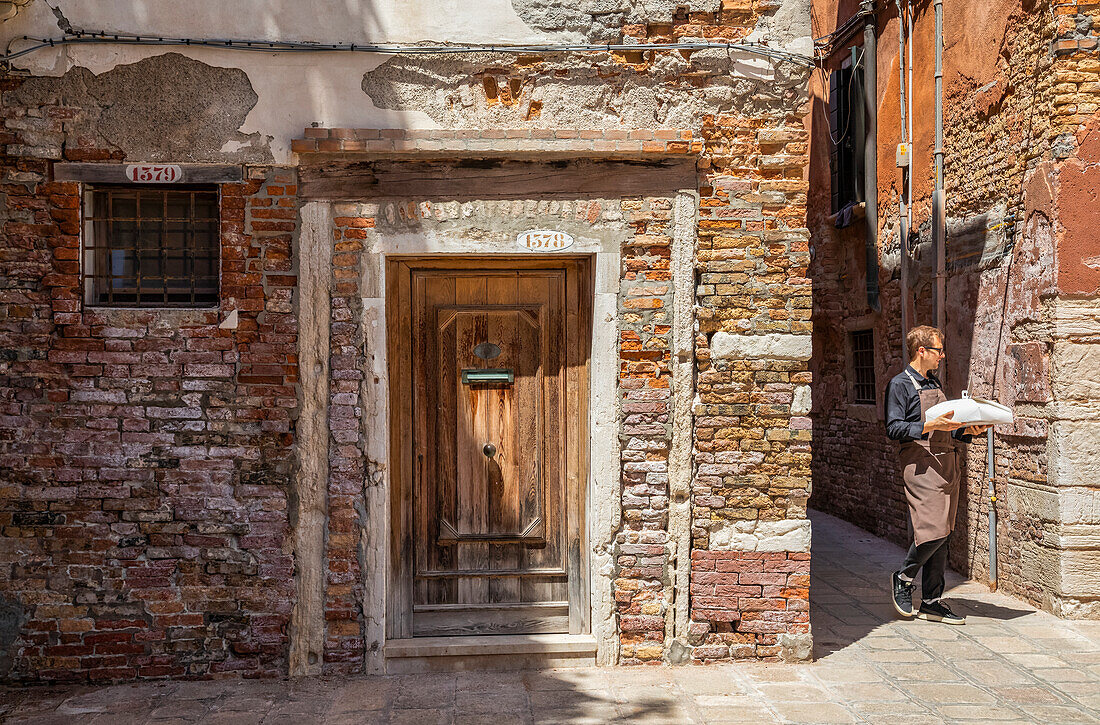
column 903, row 595
column 938, row 612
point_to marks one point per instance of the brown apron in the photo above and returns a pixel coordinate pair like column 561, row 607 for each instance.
column 932, row 475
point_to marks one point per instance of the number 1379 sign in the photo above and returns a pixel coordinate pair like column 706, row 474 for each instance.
column 154, row 173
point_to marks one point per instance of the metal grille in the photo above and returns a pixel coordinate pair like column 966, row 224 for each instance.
column 863, row 365
column 151, row 247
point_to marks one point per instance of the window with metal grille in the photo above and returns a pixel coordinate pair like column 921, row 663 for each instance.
column 863, row 366
column 151, row 247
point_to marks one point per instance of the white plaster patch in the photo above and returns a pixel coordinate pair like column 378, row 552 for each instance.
column 351, row 21
column 789, row 535
column 802, row 400
column 788, row 28
column 772, row 347
column 231, row 147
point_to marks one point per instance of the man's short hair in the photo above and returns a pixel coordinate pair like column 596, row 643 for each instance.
column 923, row 336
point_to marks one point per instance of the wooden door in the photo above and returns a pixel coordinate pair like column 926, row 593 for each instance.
column 493, row 516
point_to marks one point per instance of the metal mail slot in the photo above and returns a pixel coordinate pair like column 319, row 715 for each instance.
column 491, row 376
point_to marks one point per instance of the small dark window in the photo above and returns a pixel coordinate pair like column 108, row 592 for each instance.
column 846, row 128
column 863, row 366
column 151, row 247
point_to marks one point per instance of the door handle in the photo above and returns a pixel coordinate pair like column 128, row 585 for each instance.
column 489, row 450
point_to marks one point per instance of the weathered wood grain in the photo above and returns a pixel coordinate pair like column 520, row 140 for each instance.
column 500, row 530
column 346, row 179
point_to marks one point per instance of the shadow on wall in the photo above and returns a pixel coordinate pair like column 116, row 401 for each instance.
column 995, row 278
column 855, row 465
column 998, row 272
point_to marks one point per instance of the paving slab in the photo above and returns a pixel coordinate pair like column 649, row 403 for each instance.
column 1009, row 664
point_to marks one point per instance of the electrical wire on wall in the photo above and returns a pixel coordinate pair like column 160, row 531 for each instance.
column 265, row 46
column 824, row 47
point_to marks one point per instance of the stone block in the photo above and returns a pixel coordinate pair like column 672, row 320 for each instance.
column 724, row 345
column 1076, row 371
column 771, row 536
column 1078, row 573
column 802, row 403
column 1074, row 453
column 1027, row 372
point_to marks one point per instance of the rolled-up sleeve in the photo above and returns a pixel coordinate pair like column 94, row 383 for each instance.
column 898, row 428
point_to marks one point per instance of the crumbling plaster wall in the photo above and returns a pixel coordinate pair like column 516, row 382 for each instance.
column 595, row 91
column 291, row 92
column 1016, row 112
column 164, row 108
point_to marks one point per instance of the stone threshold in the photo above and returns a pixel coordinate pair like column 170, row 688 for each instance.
column 492, row 644
column 489, row 652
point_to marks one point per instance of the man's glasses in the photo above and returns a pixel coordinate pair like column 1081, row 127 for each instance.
column 929, row 347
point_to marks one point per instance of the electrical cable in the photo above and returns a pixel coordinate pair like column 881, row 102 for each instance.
column 823, row 46
column 823, row 49
column 264, row 46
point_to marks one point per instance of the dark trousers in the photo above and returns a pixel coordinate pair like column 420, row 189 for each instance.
column 930, row 558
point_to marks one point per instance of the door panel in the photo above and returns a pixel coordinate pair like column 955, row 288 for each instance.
column 493, row 530
column 501, row 494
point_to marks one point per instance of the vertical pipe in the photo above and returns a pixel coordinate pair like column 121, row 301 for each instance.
column 870, row 150
column 909, row 114
column 939, row 230
column 901, row 70
column 903, row 203
column 992, row 511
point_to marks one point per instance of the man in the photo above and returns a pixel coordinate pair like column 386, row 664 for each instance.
column 932, row 471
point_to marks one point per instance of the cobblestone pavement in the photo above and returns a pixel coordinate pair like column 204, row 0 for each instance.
column 1009, row 663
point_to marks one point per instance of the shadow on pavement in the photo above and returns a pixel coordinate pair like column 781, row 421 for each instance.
column 472, row 698
column 850, row 591
column 986, row 609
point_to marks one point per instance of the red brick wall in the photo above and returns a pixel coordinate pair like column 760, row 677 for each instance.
column 642, row 585
column 145, row 455
column 752, row 453
column 344, row 616
column 741, row 601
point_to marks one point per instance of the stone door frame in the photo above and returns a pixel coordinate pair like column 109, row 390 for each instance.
column 603, row 503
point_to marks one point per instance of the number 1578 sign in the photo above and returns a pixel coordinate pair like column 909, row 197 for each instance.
column 154, row 173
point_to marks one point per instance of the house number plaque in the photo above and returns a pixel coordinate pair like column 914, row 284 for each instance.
column 154, row 173
column 543, row 240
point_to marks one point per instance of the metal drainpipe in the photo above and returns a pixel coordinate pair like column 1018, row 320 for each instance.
column 909, row 110
column 992, row 512
column 870, row 150
column 939, row 226
column 903, row 203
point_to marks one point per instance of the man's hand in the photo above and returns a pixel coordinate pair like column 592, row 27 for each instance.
column 943, row 422
column 977, row 430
